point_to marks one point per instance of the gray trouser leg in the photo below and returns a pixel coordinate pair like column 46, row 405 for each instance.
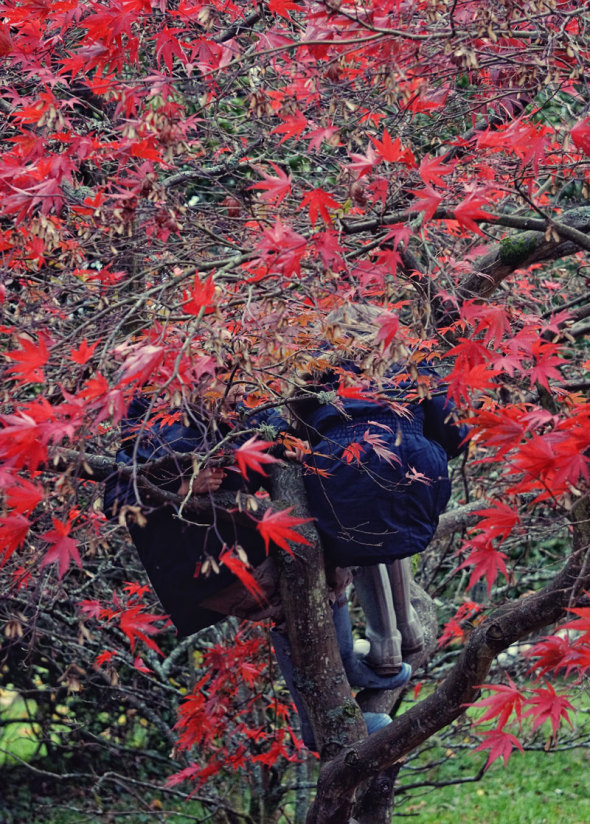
column 373, row 589
column 393, row 627
column 282, row 649
column 358, row 672
column 408, row 623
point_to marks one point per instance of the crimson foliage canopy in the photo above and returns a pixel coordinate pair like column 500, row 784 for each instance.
column 189, row 189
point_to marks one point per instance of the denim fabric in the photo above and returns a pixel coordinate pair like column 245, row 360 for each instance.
column 358, row 673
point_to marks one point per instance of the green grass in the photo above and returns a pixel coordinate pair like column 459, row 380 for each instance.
column 535, row 788
column 17, row 734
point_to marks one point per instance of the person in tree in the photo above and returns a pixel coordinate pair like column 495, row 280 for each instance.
column 381, row 433
column 188, row 558
column 376, row 475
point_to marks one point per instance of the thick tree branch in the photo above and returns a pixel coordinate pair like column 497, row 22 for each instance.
column 457, row 518
column 576, row 218
column 522, row 250
column 319, row 675
column 503, row 627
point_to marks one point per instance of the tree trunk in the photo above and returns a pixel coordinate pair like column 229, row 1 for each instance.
column 503, row 627
column 335, row 716
column 376, row 806
column 319, row 675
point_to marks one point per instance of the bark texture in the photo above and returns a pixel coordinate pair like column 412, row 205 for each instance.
column 541, row 240
column 319, row 675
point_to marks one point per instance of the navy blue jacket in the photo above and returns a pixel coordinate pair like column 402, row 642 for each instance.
column 378, row 480
column 171, row 548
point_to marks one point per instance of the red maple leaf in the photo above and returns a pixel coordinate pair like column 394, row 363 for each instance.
column 283, row 7
column 486, row 560
column 379, row 188
column 392, row 150
column 556, row 652
column 251, row 455
column 29, row 360
column 547, row 705
column 275, row 188
column 499, row 744
column 501, row 705
column 388, row 328
column 493, row 321
column 23, row 496
column 63, row 549
column 105, row 657
column 469, row 353
column 134, row 589
column 468, row 211
column 546, row 362
column 139, row 665
column 414, row 476
column 139, row 625
column 319, row 201
column 431, row 170
column 327, row 246
column 91, row 607
column 428, row 201
column 464, row 382
column 278, row 528
column 581, row 135
column 291, row 127
column 380, row 448
column 399, row 232
column 528, row 142
column 168, row 46
column 363, row 164
column 240, row 569
column 319, row 135
column 283, row 246
column 497, row 521
column 5, row 41
column 353, row 452
column 356, row 392
column 84, row 352
column 537, row 457
column 141, row 363
column 24, row 437
column 200, row 296
column 503, row 428
column 453, row 629
column 581, row 624
column 13, row 531
column 110, row 23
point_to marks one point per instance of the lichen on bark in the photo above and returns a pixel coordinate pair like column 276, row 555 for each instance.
column 515, row 249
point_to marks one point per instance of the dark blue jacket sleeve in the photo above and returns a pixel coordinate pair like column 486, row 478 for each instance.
column 150, row 441
column 158, row 439
column 439, row 425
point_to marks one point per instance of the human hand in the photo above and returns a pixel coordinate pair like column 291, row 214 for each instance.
column 298, row 450
column 207, row 480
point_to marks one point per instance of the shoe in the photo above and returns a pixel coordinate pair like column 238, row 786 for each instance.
column 358, row 671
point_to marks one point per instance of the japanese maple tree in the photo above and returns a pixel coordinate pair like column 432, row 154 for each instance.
column 188, row 189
